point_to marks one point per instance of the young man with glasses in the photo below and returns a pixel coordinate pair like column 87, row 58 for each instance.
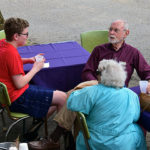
column 33, row 100
column 120, row 51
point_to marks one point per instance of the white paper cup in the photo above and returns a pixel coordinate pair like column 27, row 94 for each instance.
column 143, row 85
column 13, row 148
column 23, row 146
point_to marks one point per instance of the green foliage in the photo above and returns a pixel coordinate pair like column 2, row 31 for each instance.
column 1, row 21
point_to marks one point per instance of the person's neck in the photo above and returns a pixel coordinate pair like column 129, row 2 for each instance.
column 117, row 46
column 12, row 43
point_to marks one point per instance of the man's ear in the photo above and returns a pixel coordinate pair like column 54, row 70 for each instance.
column 127, row 32
column 15, row 36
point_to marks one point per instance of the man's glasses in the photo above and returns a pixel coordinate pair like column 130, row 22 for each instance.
column 98, row 72
column 27, row 34
column 115, row 30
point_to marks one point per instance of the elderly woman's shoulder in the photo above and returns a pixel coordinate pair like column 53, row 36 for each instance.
column 129, row 91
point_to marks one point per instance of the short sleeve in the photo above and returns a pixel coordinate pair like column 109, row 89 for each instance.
column 80, row 100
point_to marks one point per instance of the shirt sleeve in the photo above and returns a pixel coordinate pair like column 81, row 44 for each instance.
column 80, row 101
column 89, row 71
column 141, row 66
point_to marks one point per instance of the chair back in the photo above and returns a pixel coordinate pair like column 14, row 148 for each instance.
column 91, row 39
column 2, row 34
column 84, row 128
column 5, row 101
column 4, row 97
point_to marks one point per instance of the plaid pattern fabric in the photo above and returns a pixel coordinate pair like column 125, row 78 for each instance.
column 35, row 101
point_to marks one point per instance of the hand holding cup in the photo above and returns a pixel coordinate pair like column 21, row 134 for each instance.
column 39, row 58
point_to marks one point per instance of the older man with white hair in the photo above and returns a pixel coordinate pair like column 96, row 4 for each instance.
column 111, row 111
column 119, row 50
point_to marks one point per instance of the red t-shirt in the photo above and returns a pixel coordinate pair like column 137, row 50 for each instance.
column 10, row 64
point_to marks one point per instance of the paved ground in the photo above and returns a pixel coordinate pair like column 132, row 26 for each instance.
column 56, row 20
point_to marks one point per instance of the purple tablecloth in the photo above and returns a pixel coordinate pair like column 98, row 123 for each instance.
column 66, row 59
column 145, row 116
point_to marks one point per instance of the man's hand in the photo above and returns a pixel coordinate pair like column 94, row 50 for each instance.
column 38, row 65
column 36, row 57
column 30, row 60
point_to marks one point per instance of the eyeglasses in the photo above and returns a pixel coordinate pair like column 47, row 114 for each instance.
column 27, row 34
column 115, row 30
column 98, row 72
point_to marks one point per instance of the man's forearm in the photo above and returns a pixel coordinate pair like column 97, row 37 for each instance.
column 20, row 81
column 28, row 60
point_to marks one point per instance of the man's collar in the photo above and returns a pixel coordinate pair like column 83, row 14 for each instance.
column 111, row 46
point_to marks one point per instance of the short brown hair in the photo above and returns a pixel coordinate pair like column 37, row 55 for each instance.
column 14, row 25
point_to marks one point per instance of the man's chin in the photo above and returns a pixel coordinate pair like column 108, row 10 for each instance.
column 113, row 41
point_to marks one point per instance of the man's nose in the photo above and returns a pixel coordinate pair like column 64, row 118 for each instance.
column 112, row 32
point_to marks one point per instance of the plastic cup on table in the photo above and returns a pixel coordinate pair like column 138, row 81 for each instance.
column 12, row 148
column 23, row 146
column 143, row 85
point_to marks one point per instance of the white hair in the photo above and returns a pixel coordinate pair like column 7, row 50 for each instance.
column 112, row 73
column 125, row 24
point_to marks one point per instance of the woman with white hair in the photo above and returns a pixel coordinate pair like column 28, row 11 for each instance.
column 111, row 111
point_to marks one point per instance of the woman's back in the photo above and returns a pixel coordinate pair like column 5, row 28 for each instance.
column 111, row 114
column 113, row 107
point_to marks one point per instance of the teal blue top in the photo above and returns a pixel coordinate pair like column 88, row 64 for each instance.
column 111, row 115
